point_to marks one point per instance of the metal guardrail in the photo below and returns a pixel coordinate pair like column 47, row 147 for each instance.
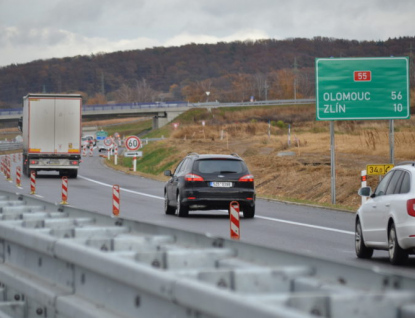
column 60, row 262
column 6, row 146
column 165, row 106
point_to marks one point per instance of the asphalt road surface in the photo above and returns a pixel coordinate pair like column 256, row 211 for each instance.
column 301, row 229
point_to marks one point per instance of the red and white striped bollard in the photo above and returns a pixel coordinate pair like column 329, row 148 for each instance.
column 64, row 190
column 18, row 176
column 8, row 167
column 32, row 182
column 234, row 220
column 116, row 200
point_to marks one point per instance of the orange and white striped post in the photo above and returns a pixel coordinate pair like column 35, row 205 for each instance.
column 116, row 200
column 18, row 176
column 64, row 190
column 33, row 182
column 234, row 220
column 8, row 168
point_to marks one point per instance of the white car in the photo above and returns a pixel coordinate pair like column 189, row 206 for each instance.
column 87, row 141
column 386, row 221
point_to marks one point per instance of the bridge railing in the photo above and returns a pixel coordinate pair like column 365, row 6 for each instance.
column 165, row 105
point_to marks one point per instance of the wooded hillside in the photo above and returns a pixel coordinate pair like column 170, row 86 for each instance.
column 235, row 71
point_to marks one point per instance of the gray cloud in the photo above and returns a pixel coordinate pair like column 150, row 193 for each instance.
column 57, row 28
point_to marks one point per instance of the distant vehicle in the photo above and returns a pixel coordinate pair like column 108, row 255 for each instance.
column 102, row 147
column 87, row 141
column 209, row 182
column 386, row 221
column 51, row 127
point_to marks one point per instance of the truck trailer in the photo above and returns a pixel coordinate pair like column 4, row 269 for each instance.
column 51, row 128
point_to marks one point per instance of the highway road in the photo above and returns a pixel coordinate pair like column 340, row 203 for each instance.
column 307, row 230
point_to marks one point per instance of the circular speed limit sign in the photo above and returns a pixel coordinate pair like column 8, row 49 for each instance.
column 132, row 143
column 108, row 141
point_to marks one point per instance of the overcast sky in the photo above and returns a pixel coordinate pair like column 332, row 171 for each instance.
column 43, row 29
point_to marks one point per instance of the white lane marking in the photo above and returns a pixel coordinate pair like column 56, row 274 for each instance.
column 123, row 189
column 305, row 225
column 257, row 216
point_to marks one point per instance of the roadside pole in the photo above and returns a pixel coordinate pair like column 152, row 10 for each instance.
column 392, row 141
column 333, row 163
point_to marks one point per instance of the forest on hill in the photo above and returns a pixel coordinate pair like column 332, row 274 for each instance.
column 234, row 71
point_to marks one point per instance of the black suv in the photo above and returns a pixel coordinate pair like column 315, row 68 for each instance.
column 209, row 182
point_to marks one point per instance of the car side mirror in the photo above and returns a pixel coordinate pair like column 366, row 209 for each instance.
column 365, row 192
column 167, row 173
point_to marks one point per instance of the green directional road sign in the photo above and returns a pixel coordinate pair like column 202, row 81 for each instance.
column 362, row 88
column 101, row 135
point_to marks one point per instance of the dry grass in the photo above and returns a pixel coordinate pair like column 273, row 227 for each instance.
column 305, row 176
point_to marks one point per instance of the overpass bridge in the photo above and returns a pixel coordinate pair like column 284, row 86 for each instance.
column 161, row 112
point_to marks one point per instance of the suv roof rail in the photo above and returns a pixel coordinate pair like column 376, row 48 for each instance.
column 403, row 163
column 235, row 154
column 193, row 154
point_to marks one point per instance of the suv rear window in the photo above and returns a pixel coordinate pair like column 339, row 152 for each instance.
column 219, row 166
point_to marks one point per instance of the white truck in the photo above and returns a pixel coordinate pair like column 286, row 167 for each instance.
column 51, row 127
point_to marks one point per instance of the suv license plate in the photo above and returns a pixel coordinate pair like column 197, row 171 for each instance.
column 221, row 184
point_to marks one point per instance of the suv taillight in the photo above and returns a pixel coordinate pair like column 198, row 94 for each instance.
column 247, row 178
column 193, row 177
column 410, row 207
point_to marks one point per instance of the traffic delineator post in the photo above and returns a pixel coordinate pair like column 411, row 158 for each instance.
column 83, row 151
column 234, row 220
column 32, row 182
column 91, row 151
column 8, row 168
column 64, row 190
column 18, row 176
column 116, row 200
column 363, row 180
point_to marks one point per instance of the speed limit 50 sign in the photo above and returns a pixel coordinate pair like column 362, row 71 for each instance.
column 132, row 143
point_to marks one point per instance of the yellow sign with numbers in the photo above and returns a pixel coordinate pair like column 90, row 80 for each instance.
column 378, row 170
